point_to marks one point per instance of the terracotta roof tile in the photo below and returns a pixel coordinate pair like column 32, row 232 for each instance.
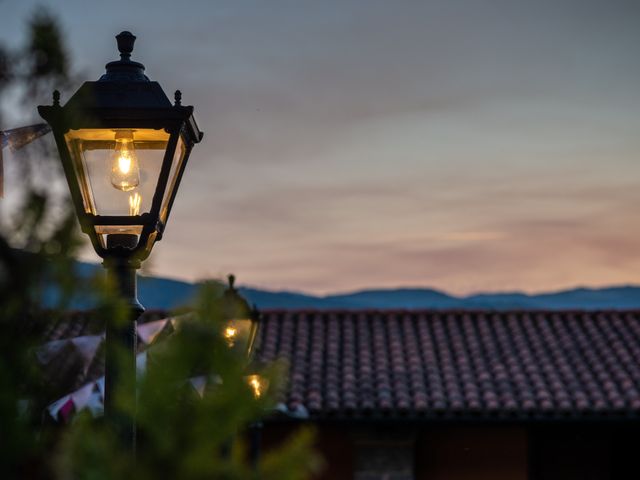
column 476, row 364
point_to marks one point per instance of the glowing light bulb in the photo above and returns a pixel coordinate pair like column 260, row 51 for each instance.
column 256, row 385
column 135, row 201
column 230, row 333
column 125, row 171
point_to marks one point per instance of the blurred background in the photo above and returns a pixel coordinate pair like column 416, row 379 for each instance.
column 461, row 145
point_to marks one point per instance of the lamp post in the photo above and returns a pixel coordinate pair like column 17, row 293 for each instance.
column 124, row 147
column 240, row 326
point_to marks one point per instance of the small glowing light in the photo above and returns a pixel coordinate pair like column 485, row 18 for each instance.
column 230, row 332
column 256, row 385
column 135, row 201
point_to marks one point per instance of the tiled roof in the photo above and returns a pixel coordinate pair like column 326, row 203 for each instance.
column 457, row 364
column 82, row 322
column 412, row 364
column 72, row 352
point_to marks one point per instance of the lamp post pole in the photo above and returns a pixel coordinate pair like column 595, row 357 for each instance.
column 124, row 147
column 255, row 440
column 121, row 337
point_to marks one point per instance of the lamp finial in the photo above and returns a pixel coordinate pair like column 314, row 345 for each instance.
column 125, row 44
column 125, row 69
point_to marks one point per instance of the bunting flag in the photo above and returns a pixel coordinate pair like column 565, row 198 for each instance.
column 17, row 138
column 77, row 355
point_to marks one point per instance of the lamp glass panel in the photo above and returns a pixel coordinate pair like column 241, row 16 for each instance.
column 176, row 166
column 117, row 170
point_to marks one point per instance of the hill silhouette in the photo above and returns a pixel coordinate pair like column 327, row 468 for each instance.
column 165, row 293
column 619, row 298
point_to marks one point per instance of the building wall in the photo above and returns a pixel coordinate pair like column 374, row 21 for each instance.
column 384, row 453
column 423, row 452
column 478, row 453
column 585, row 452
column 334, row 444
column 407, row 453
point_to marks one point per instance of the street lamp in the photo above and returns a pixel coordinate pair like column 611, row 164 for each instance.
column 240, row 324
column 124, row 147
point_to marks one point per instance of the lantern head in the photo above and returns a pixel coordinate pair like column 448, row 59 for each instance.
column 124, row 147
column 240, row 321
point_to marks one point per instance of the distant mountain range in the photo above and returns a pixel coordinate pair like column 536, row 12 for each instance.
column 164, row 293
column 625, row 297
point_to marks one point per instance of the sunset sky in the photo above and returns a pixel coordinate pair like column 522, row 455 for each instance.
column 460, row 145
